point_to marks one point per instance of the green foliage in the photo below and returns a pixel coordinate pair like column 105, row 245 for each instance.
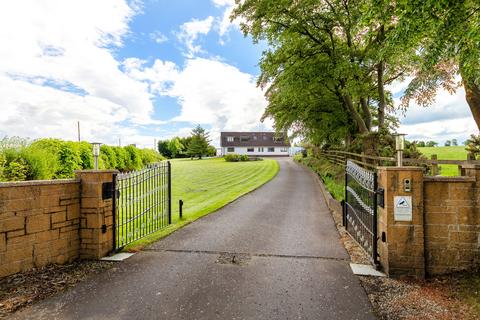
column 150, row 156
column 236, row 157
column 421, row 144
column 163, row 148
column 473, row 145
column 108, row 157
column 232, row 157
column 175, row 147
column 431, row 144
column 332, row 175
column 448, row 143
column 198, row 145
column 55, row 159
column 133, row 159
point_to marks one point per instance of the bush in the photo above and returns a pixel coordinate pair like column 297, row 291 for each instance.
column 232, row 157
column 236, row 157
column 41, row 164
column 331, row 174
column 54, row 158
column 150, row 156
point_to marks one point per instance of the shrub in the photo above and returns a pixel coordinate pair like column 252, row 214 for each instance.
column 108, row 157
column 69, row 161
column 41, row 164
column 236, row 157
column 232, row 157
column 134, row 158
column 150, row 156
column 86, row 155
column 54, row 158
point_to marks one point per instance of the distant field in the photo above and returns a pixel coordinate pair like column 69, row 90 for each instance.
column 446, row 153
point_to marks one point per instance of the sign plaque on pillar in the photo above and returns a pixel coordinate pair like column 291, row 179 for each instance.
column 402, row 208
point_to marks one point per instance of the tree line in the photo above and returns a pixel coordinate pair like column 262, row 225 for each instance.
column 329, row 62
column 197, row 145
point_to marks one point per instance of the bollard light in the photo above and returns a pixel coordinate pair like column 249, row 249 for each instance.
column 400, row 141
column 96, row 153
column 399, row 146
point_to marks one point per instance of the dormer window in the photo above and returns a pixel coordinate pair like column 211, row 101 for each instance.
column 230, row 139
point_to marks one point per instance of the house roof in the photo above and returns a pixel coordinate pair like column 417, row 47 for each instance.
column 254, row 139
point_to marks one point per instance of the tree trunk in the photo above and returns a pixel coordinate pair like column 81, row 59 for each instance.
column 472, row 95
column 381, row 95
column 366, row 113
column 362, row 128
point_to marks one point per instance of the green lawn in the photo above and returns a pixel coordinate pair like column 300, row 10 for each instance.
column 207, row 185
column 446, row 153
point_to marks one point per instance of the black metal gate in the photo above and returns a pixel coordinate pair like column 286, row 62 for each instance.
column 360, row 207
column 142, row 203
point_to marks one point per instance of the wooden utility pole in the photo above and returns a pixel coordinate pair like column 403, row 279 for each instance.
column 78, row 129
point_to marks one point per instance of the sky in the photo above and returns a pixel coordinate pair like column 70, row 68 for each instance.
column 132, row 72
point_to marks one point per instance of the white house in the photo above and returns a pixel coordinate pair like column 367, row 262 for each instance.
column 263, row 144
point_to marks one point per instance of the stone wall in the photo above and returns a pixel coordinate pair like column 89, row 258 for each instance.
column 444, row 234
column 452, row 224
column 39, row 224
column 57, row 221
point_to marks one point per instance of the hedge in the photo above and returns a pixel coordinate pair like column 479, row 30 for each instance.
column 46, row 159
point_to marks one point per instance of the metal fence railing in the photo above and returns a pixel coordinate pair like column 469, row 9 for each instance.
column 141, row 203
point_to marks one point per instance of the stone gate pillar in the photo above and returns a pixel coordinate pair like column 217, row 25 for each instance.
column 401, row 223
column 96, row 216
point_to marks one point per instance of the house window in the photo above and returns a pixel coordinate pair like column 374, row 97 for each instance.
column 249, row 149
column 260, row 149
column 284, row 150
column 230, row 149
column 255, row 138
column 271, row 149
column 230, row 139
column 265, row 138
column 244, row 138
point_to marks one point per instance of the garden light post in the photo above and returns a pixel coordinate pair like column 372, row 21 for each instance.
column 400, row 146
column 96, row 153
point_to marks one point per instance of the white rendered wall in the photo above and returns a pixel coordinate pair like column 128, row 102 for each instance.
column 243, row 150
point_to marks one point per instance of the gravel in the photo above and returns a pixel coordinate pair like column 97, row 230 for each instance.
column 394, row 299
column 22, row 289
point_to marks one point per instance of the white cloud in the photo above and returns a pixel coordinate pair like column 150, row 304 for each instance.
column 158, row 37
column 449, row 117
column 56, row 67
column 210, row 93
column 159, row 77
column 189, row 32
column 223, row 24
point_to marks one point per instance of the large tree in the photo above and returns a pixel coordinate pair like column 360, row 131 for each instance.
column 447, row 37
column 198, row 145
column 325, row 67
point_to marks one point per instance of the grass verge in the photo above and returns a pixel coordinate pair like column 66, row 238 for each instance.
column 333, row 176
column 207, row 185
column 446, row 153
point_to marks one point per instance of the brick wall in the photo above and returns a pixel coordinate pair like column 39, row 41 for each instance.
column 452, row 224
column 57, row 221
column 444, row 234
column 39, row 224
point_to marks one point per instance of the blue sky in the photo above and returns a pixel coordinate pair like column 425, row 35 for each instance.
column 138, row 71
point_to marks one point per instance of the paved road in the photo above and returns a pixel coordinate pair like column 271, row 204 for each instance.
column 272, row 254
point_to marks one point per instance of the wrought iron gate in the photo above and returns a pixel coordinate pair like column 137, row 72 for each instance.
column 360, row 207
column 141, row 203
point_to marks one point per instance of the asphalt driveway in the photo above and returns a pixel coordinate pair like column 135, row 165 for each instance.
column 272, row 254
